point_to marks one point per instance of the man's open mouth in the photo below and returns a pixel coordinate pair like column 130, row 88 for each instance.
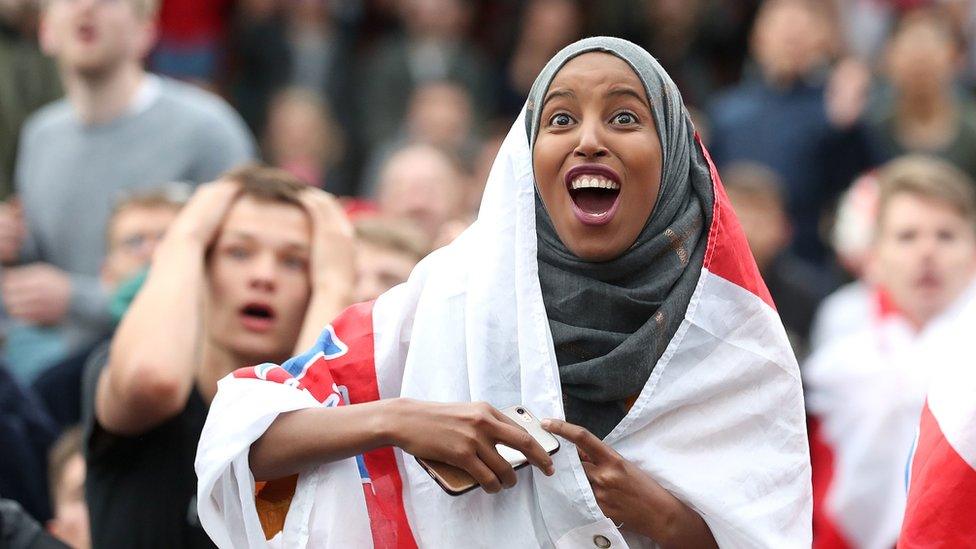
column 257, row 316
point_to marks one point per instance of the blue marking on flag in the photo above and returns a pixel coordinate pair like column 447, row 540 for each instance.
column 363, row 473
column 328, row 344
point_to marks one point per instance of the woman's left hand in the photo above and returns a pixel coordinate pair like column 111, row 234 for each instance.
column 630, row 497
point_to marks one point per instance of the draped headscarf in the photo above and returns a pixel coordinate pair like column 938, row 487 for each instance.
column 611, row 321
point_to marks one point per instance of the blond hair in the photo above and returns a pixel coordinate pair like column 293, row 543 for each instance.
column 930, row 178
column 394, row 235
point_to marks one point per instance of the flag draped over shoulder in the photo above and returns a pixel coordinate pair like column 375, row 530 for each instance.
column 720, row 422
column 941, row 509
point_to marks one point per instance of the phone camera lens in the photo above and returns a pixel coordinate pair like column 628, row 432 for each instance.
column 520, row 411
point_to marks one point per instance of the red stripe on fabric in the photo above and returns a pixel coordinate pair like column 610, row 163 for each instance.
column 826, row 534
column 728, row 254
column 356, row 371
column 941, row 510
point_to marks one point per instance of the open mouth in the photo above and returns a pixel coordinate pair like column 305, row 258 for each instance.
column 594, row 190
column 257, row 316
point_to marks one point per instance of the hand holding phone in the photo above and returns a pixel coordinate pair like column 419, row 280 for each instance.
column 456, row 480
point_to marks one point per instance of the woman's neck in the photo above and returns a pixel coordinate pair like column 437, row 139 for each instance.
column 98, row 99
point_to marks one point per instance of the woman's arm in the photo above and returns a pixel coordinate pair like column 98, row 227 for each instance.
column 462, row 434
column 630, row 497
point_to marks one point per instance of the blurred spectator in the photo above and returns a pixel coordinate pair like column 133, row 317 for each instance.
column 545, row 27
column 260, row 59
column 796, row 287
column 18, row 530
column 781, row 117
column 481, row 169
column 927, row 113
column 386, row 253
column 319, row 47
column 422, row 184
column 118, row 128
column 26, row 433
column 303, row 139
column 844, row 310
column 66, row 478
column 250, row 270
column 191, row 35
column 27, row 80
column 431, row 47
column 137, row 224
column 439, row 114
column 865, row 390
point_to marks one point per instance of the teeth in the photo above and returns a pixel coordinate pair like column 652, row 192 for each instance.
column 593, row 182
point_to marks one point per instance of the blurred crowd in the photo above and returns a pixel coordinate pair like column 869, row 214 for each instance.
column 844, row 131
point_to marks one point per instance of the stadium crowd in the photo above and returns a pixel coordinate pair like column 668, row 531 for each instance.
column 193, row 187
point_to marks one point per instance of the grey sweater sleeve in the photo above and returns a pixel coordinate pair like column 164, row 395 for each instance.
column 89, row 300
column 223, row 143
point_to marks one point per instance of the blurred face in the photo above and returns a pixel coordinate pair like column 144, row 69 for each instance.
column 921, row 59
column 379, row 269
column 764, row 223
column 434, row 18
column 421, row 186
column 70, row 523
column 440, row 114
column 133, row 236
column 597, row 158
column 93, row 37
column 296, row 130
column 789, row 40
column 258, row 280
column 924, row 256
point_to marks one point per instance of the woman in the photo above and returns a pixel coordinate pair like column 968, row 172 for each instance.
column 605, row 281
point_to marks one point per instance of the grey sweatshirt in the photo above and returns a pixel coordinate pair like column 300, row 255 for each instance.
column 69, row 176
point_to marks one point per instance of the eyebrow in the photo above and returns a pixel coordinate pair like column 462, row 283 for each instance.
column 557, row 93
column 628, row 92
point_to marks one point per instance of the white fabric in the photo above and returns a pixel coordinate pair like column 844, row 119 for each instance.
column 720, row 422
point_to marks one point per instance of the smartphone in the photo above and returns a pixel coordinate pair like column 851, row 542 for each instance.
column 456, row 481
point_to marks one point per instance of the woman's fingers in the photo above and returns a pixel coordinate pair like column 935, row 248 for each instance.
column 593, row 447
column 483, row 475
column 498, row 465
column 515, row 437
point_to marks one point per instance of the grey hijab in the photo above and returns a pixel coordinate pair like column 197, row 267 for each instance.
column 611, row 321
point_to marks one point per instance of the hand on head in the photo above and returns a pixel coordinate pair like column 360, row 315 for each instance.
column 11, row 230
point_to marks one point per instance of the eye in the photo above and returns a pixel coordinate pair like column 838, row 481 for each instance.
column 624, row 118
column 237, row 252
column 906, row 235
column 946, row 235
column 560, row 119
column 294, row 262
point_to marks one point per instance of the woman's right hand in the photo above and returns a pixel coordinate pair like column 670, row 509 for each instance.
column 464, row 435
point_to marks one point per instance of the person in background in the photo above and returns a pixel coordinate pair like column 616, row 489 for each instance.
column 191, row 35
column 303, row 138
column 797, row 287
column 118, row 128
column 137, row 224
column 927, row 112
column 18, row 530
column 865, row 390
column 545, row 27
column 28, row 80
column 422, row 184
column 852, row 235
column 432, row 47
column 26, row 433
column 386, row 253
column 787, row 116
column 251, row 268
column 439, row 114
column 66, row 479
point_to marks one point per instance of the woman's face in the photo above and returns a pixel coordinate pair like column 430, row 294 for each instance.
column 597, row 157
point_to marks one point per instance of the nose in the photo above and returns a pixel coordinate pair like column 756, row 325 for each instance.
column 261, row 275
column 590, row 144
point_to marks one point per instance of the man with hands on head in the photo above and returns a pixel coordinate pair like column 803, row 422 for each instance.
column 251, row 269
